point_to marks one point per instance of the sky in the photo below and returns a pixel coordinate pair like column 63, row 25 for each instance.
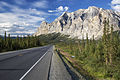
column 23, row 17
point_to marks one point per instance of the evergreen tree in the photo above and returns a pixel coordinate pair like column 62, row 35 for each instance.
column 105, row 41
column 87, row 46
column 5, row 37
column 111, row 50
column 99, row 51
column 9, row 41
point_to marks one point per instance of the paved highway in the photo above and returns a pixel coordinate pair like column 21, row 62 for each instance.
column 29, row 64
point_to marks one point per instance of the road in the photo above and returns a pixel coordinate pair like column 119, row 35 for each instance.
column 29, row 64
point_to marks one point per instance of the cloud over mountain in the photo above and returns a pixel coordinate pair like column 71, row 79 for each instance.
column 60, row 9
column 115, row 4
column 81, row 22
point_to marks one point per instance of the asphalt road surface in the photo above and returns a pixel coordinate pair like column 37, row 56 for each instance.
column 30, row 64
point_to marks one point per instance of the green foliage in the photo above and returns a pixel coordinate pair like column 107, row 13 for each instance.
column 101, row 58
column 7, row 43
column 117, row 75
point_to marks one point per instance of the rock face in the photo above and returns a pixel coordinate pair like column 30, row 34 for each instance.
column 81, row 22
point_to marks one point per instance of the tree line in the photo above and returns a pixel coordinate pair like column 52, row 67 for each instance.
column 8, row 43
column 101, row 58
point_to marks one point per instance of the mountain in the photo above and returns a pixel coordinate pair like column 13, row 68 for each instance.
column 81, row 22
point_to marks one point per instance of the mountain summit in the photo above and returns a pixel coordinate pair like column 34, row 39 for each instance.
column 81, row 22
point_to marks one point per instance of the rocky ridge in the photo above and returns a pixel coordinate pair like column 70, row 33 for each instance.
column 81, row 22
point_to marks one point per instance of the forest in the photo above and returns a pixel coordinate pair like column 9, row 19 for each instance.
column 100, row 58
column 8, row 43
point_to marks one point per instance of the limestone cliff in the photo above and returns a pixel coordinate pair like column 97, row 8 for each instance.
column 80, row 22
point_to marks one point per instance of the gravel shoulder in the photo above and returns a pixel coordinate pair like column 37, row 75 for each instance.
column 58, row 70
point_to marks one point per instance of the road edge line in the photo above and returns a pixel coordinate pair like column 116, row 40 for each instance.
column 33, row 66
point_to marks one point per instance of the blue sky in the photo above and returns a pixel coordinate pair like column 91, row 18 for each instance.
column 21, row 17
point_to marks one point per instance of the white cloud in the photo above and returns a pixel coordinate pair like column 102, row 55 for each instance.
column 60, row 9
column 51, row 10
column 20, row 21
column 66, row 8
column 115, row 4
column 8, row 17
column 35, row 4
column 4, row 4
column 40, row 4
column 5, row 25
column 27, row 32
column 116, row 7
column 35, row 11
column 115, row 1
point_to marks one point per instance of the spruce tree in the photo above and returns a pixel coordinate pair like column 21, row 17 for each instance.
column 87, row 45
column 105, row 41
column 5, row 37
column 9, row 41
column 111, row 50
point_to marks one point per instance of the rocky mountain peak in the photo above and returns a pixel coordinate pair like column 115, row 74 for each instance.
column 93, row 7
column 79, row 23
column 44, row 22
column 64, row 13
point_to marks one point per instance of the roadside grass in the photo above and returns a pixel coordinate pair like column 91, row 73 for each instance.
column 86, row 68
column 76, row 64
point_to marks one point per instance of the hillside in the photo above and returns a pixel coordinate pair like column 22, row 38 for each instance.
column 81, row 22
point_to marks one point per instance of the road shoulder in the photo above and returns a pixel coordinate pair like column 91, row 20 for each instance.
column 58, row 70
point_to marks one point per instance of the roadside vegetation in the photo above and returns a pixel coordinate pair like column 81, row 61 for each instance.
column 99, row 59
column 8, row 43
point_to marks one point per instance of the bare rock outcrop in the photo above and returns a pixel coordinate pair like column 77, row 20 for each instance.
column 79, row 23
